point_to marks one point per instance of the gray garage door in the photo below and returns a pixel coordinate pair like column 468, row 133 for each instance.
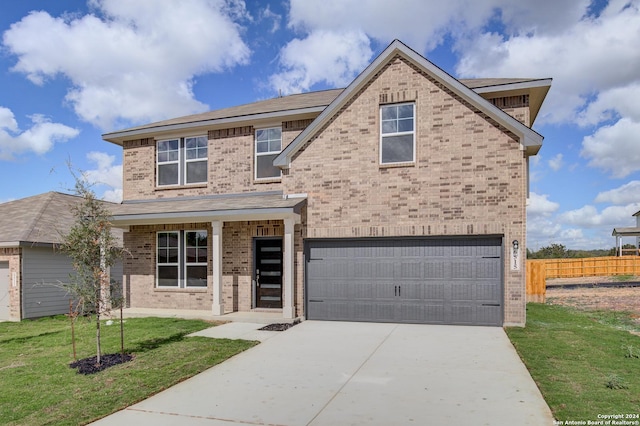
column 427, row 281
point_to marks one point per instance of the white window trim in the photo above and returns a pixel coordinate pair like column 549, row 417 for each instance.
column 187, row 264
column 259, row 154
column 194, row 160
column 182, row 261
column 158, row 264
column 412, row 132
column 182, row 162
column 178, row 162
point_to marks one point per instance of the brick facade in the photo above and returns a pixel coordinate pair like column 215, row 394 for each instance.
column 12, row 256
column 469, row 179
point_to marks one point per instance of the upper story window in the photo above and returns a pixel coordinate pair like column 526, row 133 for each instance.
column 268, row 146
column 182, row 161
column 397, row 133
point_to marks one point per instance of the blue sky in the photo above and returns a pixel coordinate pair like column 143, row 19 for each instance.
column 72, row 70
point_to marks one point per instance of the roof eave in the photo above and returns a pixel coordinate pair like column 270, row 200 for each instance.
column 274, row 213
column 537, row 90
column 118, row 138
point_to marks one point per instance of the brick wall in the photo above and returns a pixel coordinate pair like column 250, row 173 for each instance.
column 12, row 255
column 230, row 163
column 237, row 267
column 469, row 177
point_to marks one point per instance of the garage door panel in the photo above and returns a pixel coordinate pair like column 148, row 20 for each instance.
column 439, row 281
column 489, row 268
column 462, row 270
column 434, row 270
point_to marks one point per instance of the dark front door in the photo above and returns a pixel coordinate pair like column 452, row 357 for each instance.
column 268, row 272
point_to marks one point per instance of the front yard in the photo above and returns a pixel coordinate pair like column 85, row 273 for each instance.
column 37, row 386
column 586, row 363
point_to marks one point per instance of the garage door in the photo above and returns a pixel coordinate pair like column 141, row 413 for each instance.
column 426, row 281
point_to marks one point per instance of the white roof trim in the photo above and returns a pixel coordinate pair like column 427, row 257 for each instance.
column 531, row 84
column 181, row 127
column 531, row 140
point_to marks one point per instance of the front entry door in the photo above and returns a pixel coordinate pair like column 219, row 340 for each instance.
column 268, row 272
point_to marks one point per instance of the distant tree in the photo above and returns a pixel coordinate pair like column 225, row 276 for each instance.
column 92, row 249
column 553, row 251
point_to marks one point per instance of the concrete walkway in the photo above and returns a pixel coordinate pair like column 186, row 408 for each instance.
column 338, row 373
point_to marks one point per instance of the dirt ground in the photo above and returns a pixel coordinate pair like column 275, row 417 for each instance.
column 617, row 299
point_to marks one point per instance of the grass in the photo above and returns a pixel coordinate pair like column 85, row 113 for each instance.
column 37, row 387
column 582, row 361
column 624, row 278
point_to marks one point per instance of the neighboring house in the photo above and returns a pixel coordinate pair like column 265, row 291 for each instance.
column 400, row 198
column 620, row 233
column 31, row 264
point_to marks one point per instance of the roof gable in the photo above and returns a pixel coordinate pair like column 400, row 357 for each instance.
column 531, row 140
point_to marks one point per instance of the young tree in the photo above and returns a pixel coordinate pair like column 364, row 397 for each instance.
column 92, row 249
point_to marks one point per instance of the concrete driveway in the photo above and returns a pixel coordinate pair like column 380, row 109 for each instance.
column 340, row 373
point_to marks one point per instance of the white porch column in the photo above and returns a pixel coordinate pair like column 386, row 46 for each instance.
column 288, row 309
column 216, row 255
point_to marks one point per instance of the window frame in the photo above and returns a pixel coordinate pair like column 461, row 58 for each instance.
column 397, row 133
column 204, row 159
column 200, row 264
column 257, row 154
column 182, row 161
column 167, row 162
column 174, row 264
column 182, row 265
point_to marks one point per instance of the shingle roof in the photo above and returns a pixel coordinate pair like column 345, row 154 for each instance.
column 297, row 102
column 40, row 219
column 204, row 208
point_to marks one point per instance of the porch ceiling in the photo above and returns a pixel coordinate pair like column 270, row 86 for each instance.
column 237, row 207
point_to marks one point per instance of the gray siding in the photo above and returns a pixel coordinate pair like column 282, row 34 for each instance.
column 43, row 269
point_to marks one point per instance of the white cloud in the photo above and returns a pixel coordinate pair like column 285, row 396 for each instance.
column 330, row 57
column 591, row 54
column 589, row 217
column 105, row 173
column 540, row 206
column 131, row 61
column 609, row 103
column 39, row 138
column 614, row 148
column 268, row 14
column 625, row 194
column 556, row 163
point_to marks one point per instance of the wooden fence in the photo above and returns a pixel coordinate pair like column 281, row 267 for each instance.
column 540, row 269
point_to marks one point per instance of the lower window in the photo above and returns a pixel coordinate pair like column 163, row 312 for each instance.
column 182, row 259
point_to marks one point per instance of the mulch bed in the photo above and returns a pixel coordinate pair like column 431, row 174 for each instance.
column 88, row 365
column 278, row 327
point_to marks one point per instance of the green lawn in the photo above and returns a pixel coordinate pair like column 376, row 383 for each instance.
column 37, row 386
column 584, row 362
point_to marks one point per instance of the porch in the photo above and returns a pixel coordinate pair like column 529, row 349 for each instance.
column 256, row 317
column 217, row 257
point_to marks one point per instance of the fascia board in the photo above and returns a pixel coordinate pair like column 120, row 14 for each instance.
column 508, row 87
column 205, row 216
column 119, row 137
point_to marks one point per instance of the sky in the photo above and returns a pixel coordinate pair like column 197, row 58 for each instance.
column 71, row 70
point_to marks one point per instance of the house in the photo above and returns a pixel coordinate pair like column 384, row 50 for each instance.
column 620, row 233
column 399, row 198
column 32, row 268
